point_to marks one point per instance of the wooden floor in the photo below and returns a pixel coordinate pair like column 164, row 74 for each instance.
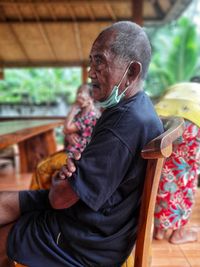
column 187, row 255
column 164, row 253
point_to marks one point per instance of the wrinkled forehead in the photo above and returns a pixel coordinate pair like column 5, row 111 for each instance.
column 102, row 44
column 99, row 48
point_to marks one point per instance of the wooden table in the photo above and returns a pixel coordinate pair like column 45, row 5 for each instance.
column 35, row 139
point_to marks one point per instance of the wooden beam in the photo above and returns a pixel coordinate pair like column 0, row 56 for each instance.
column 17, row 8
column 71, row 11
column 110, row 11
column 137, row 11
column 11, row 28
column 28, row 118
column 18, row 41
column 90, row 12
column 26, row 64
column 78, row 40
column 76, row 30
column 84, row 74
column 49, row 7
column 1, row 60
column 1, row 74
column 55, row 2
column 64, row 20
column 43, row 32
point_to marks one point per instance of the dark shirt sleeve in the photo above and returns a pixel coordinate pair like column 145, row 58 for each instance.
column 101, row 169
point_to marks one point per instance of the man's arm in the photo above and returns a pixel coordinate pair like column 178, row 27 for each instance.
column 61, row 195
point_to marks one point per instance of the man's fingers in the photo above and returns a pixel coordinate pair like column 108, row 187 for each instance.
column 70, row 166
column 77, row 155
column 62, row 176
column 64, row 173
column 68, row 170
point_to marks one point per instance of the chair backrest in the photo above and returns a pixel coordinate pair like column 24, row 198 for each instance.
column 155, row 152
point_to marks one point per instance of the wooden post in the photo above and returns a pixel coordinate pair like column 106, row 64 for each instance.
column 137, row 11
column 84, row 74
column 1, row 74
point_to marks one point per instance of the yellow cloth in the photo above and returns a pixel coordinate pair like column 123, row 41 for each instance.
column 129, row 262
column 41, row 179
column 182, row 100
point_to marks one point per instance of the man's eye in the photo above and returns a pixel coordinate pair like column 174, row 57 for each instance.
column 99, row 64
column 98, row 61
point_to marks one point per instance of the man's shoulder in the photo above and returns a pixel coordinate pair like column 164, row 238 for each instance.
column 128, row 111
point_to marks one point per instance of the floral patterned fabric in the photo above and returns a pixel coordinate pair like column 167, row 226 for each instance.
column 178, row 183
column 85, row 123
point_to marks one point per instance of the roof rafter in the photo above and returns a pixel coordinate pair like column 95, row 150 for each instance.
column 110, row 11
column 18, row 11
column 25, row 64
column 90, row 12
column 44, row 33
column 4, row 2
column 76, row 30
column 15, row 36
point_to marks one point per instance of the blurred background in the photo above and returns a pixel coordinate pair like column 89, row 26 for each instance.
column 42, row 59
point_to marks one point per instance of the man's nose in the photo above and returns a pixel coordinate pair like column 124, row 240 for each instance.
column 91, row 72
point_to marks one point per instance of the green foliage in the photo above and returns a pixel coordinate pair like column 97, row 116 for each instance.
column 39, row 85
column 176, row 56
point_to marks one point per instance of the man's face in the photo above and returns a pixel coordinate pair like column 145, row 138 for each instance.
column 105, row 69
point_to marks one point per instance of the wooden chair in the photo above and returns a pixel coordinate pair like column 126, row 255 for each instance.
column 155, row 152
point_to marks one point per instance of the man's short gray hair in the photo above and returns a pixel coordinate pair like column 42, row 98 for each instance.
column 130, row 43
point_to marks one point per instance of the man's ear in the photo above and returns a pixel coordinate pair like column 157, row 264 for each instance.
column 134, row 71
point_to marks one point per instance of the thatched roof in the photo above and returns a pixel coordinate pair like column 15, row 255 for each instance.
column 60, row 32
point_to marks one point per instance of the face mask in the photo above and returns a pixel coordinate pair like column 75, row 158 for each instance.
column 114, row 97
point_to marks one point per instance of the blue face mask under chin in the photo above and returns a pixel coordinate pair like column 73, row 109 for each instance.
column 114, row 97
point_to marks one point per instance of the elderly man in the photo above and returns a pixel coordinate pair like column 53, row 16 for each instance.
column 90, row 218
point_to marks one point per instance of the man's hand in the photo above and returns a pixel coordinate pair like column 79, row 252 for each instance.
column 67, row 169
column 62, row 195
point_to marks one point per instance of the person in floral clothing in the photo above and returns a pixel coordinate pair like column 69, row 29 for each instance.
column 178, row 183
column 78, row 127
column 80, row 122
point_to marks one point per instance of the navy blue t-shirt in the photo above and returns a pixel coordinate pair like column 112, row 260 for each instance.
column 100, row 229
column 109, row 181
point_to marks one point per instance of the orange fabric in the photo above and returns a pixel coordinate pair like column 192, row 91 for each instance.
column 41, row 179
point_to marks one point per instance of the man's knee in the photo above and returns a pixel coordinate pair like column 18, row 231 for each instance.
column 9, row 207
